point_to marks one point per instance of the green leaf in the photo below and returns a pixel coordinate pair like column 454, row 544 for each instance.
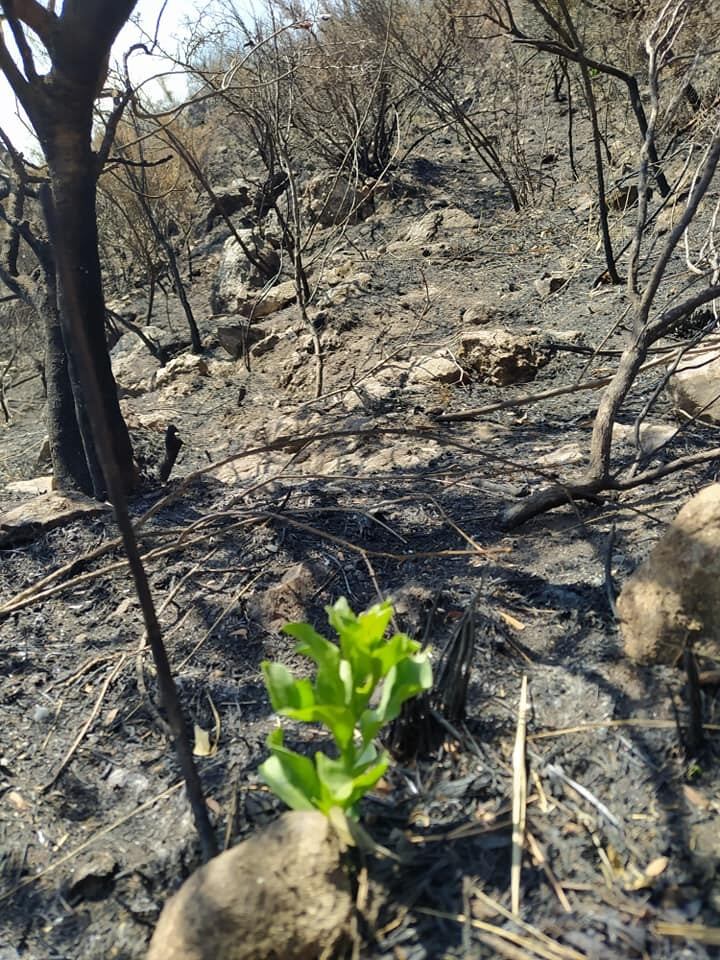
column 290, row 775
column 328, row 685
column 340, row 721
column 365, row 781
column 406, row 679
column 345, row 788
column 285, row 691
column 397, row 648
column 340, row 616
column 336, row 782
column 312, row 644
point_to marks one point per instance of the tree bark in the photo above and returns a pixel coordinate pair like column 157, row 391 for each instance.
column 67, row 454
column 72, row 225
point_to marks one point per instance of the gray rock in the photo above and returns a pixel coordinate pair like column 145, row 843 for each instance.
column 500, row 357
column 237, row 275
column 652, row 435
column 265, row 345
column 230, row 200
column 269, row 301
column 133, row 365
column 282, row 893
column 695, row 385
column 331, row 200
column 676, row 592
column 238, row 337
column 186, row 363
column 550, row 283
column 439, row 368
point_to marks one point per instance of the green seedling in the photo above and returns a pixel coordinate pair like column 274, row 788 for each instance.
column 359, row 687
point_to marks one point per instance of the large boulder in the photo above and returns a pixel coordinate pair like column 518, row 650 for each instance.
column 331, row 200
column 229, row 200
column 695, row 385
column 676, row 592
column 237, row 275
column 282, row 893
column 133, row 365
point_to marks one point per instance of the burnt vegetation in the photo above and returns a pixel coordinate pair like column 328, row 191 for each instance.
column 395, row 298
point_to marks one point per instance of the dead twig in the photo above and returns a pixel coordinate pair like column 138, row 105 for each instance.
column 103, row 832
column 86, row 726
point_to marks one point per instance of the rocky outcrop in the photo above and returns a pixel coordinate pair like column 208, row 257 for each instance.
column 133, row 365
column 675, row 594
column 229, row 200
column 182, row 366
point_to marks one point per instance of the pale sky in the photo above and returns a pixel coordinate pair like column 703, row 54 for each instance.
column 141, row 66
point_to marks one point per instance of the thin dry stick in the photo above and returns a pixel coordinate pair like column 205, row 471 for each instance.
column 552, row 951
column 687, row 931
column 541, row 860
column 556, row 771
column 221, row 616
column 86, row 726
column 76, row 674
column 71, row 854
column 183, row 580
column 519, row 811
column 496, row 907
column 500, row 948
column 602, row 724
column 519, row 798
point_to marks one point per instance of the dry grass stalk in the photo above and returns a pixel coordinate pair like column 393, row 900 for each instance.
column 519, row 798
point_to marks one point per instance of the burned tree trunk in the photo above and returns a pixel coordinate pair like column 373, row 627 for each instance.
column 60, row 107
column 72, row 221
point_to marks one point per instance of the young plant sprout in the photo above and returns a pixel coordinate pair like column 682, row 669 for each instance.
column 360, row 686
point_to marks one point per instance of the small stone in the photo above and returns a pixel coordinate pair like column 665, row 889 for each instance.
column 16, row 801
column 437, row 369
column 550, row 283
column 42, row 714
column 622, row 198
column 564, row 455
column 265, row 345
